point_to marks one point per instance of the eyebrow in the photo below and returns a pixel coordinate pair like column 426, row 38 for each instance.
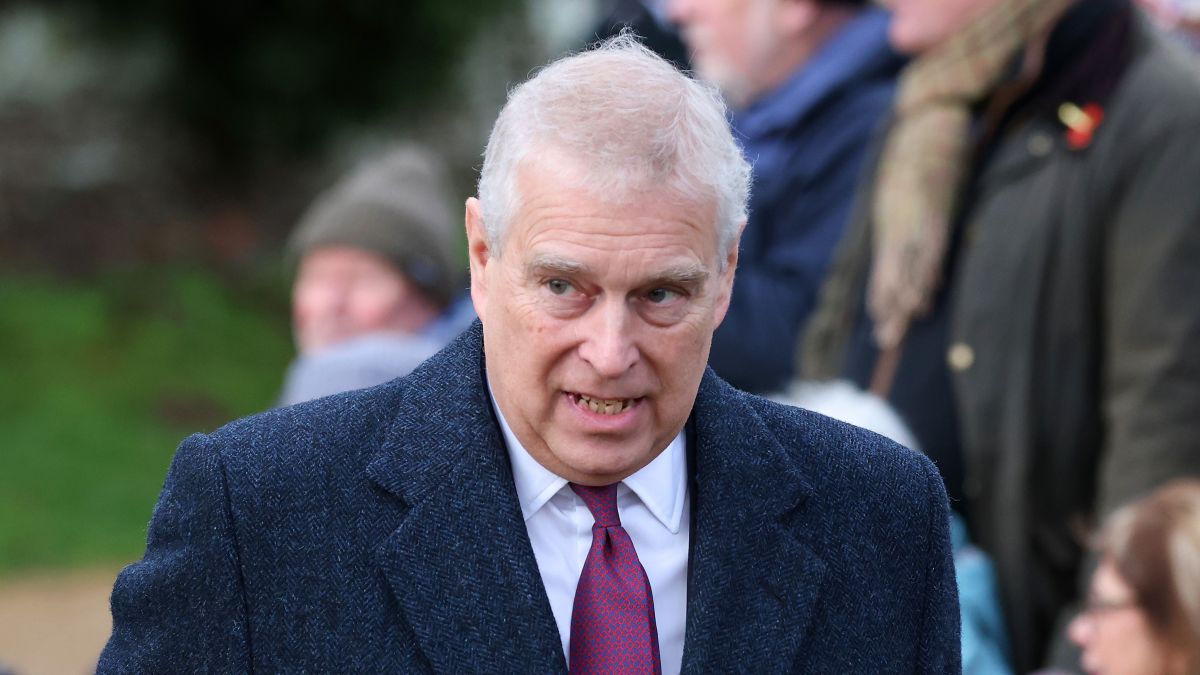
column 553, row 264
column 689, row 275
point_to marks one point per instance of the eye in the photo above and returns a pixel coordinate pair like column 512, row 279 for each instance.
column 659, row 296
column 559, row 286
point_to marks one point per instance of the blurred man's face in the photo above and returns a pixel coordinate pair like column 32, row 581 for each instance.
column 918, row 25
column 733, row 43
column 597, row 321
column 342, row 292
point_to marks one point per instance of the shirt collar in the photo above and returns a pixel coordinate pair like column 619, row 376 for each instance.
column 660, row 485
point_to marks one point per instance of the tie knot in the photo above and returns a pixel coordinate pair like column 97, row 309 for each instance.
column 601, row 500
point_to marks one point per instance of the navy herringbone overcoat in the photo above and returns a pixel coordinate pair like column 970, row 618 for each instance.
column 379, row 531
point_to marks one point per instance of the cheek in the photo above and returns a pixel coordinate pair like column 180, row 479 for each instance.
column 530, row 315
column 372, row 303
column 734, row 41
column 310, row 302
column 1126, row 645
column 679, row 355
column 532, row 338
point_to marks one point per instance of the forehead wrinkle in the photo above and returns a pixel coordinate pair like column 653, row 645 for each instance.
column 690, row 275
column 627, row 233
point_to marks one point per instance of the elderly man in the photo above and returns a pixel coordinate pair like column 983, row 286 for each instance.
column 565, row 483
column 809, row 81
column 377, row 273
column 1021, row 278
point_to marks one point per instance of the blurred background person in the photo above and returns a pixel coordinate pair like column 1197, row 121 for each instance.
column 1142, row 615
column 1019, row 279
column 808, row 81
column 379, row 282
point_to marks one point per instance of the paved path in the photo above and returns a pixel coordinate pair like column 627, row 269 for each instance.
column 54, row 624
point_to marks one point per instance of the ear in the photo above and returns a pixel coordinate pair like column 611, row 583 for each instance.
column 725, row 291
column 794, row 17
column 479, row 253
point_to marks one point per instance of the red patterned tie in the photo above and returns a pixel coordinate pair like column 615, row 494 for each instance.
column 612, row 623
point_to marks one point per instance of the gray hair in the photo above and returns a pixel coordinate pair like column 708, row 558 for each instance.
column 635, row 123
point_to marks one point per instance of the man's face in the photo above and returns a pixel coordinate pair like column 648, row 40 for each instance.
column 342, row 292
column 733, row 43
column 597, row 321
column 918, row 25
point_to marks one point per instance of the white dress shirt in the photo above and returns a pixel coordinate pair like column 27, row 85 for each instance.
column 653, row 505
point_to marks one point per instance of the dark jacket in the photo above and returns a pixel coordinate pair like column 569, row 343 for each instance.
column 807, row 142
column 1073, row 312
column 379, row 531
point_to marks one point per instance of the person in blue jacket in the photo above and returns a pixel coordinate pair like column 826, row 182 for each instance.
column 807, row 81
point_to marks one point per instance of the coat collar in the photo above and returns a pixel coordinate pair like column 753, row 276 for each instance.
column 463, row 572
column 460, row 564
column 1084, row 60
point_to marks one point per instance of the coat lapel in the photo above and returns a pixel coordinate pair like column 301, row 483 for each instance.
column 462, row 570
column 460, row 564
column 753, row 581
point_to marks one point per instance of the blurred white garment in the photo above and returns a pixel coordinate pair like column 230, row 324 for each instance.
column 843, row 400
column 355, row 364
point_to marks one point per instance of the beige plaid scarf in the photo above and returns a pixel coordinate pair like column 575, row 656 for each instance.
column 925, row 158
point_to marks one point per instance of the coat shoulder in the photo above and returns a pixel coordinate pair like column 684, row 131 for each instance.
column 325, row 445
column 341, row 422
column 848, row 463
column 876, row 514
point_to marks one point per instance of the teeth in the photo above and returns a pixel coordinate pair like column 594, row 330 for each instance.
column 605, row 406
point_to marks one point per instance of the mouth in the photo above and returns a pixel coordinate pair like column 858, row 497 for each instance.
column 603, row 406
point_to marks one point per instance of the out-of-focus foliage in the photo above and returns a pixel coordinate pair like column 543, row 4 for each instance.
column 100, row 384
column 113, row 345
column 279, row 76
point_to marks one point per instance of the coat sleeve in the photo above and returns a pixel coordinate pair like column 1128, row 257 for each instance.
column 941, row 645
column 1151, row 322
column 181, row 609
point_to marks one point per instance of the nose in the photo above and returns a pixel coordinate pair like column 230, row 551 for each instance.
column 1080, row 629
column 607, row 341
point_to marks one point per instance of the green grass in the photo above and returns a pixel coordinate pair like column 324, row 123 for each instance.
column 99, row 383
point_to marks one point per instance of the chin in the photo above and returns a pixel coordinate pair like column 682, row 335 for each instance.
column 595, row 467
column 904, row 39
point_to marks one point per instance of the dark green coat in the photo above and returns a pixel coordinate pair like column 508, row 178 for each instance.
column 1075, row 333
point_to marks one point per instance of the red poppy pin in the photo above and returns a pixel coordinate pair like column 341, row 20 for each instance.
column 1081, row 123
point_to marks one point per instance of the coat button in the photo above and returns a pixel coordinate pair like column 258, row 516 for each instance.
column 1040, row 144
column 960, row 356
